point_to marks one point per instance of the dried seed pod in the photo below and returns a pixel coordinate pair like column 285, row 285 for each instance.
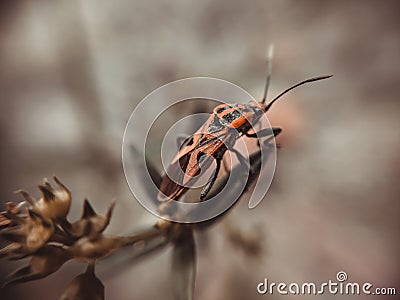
column 29, row 236
column 10, row 216
column 9, row 249
column 54, row 203
column 84, row 287
column 98, row 223
column 44, row 262
column 90, row 222
column 28, row 198
column 39, row 230
column 4, row 220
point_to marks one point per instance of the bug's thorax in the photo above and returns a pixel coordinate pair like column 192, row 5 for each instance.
column 239, row 116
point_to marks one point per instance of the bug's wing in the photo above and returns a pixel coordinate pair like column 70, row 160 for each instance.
column 169, row 188
column 188, row 166
column 186, row 162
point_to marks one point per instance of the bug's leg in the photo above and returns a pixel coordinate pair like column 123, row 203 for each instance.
column 225, row 164
column 241, row 158
column 276, row 130
column 266, row 141
column 206, row 189
column 265, row 132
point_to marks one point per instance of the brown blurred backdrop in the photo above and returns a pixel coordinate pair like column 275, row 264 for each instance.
column 72, row 71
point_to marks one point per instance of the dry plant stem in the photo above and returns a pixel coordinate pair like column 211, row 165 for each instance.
column 146, row 235
column 184, row 265
column 83, row 240
column 116, row 264
column 90, row 248
column 181, row 235
column 85, row 286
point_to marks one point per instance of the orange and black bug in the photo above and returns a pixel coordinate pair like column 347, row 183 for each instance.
column 219, row 133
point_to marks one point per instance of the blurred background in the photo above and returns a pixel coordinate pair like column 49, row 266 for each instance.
column 71, row 73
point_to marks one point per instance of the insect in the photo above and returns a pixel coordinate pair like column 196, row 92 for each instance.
column 218, row 134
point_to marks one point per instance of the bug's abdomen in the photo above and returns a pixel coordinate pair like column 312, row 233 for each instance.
column 186, row 169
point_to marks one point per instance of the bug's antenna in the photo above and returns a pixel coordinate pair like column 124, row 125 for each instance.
column 270, row 54
column 268, row 106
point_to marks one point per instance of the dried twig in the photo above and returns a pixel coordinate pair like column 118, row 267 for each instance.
column 40, row 230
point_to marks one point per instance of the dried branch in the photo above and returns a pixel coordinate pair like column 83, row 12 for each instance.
column 184, row 265
column 85, row 286
column 40, row 229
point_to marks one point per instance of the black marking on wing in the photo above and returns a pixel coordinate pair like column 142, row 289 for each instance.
column 187, row 142
column 200, row 156
column 215, row 125
column 230, row 117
